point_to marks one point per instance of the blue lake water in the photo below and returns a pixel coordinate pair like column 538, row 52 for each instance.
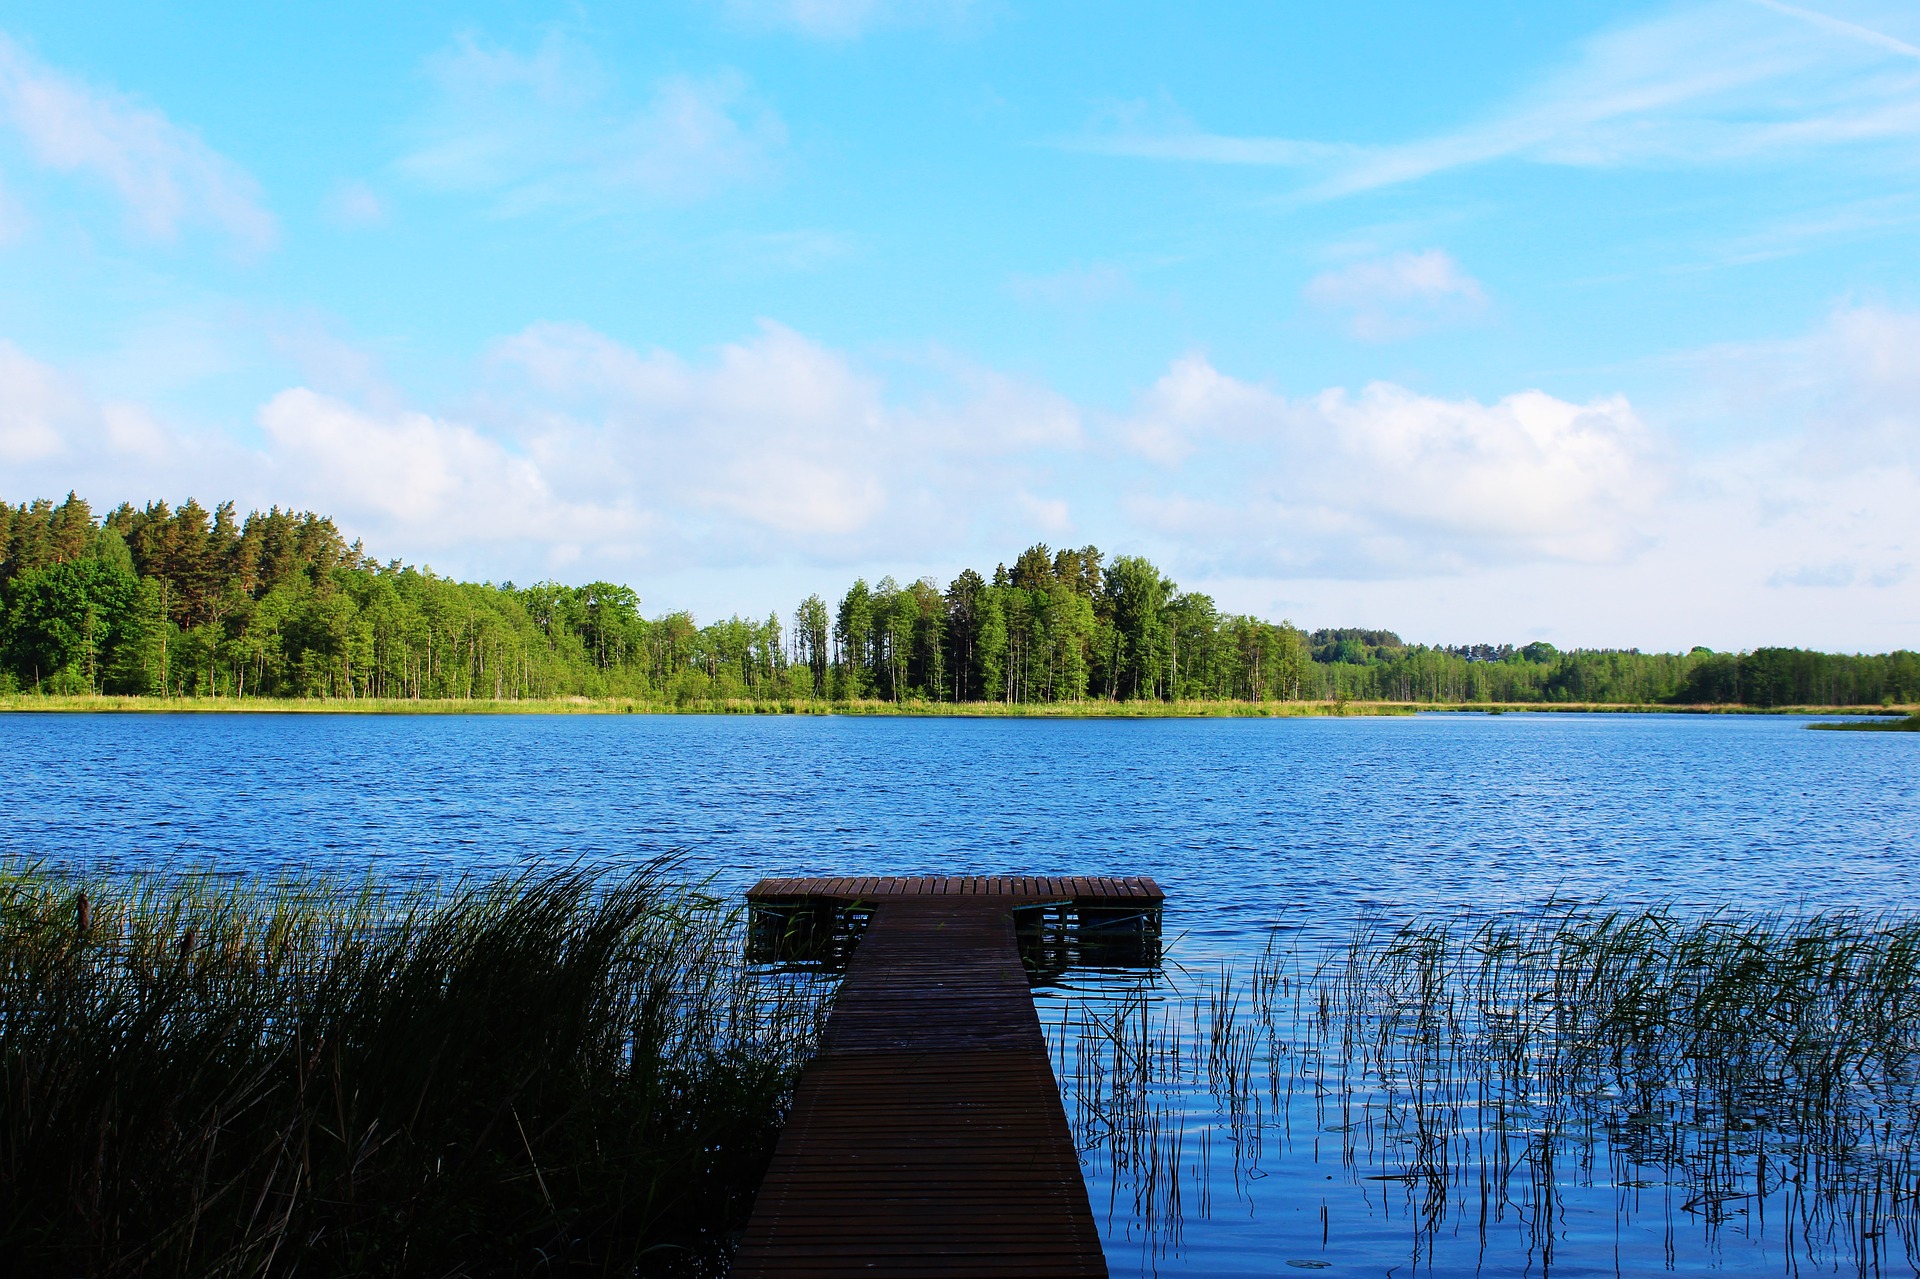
column 1243, row 822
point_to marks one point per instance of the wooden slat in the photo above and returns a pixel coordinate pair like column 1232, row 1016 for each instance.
column 1087, row 890
column 927, row 1137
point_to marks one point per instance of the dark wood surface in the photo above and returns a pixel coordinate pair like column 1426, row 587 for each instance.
column 1092, row 890
column 928, row 1137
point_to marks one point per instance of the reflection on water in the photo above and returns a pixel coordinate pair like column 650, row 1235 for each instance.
column 818, row 936
column 1055, row 938
column 1058, row 938
column 1573, row 1092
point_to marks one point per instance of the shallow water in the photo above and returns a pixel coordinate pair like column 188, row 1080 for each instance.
column 1243, row 822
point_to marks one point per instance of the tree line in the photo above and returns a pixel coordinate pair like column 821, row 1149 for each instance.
column 191, row 601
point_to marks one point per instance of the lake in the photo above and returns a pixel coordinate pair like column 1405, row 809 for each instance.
column 1313, row 823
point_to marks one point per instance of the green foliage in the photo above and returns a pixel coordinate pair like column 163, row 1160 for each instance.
column 549, row 1073
column 1796, row 677
column 191, row 602
column 74, row 627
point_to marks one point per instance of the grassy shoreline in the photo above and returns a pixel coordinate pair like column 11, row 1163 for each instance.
column 1090, row 709
column 1911, row 724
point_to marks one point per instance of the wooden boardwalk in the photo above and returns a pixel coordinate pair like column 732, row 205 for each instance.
column 928, row 1137
column 1091, row 890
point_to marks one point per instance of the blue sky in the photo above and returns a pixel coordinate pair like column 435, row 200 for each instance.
column 1599, row 324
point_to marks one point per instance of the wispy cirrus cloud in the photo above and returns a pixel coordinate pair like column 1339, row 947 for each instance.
column 164, row 175
column 550, row 129
column 1399, row 295
column 1727, row 81
column 842, row 20
column 1840, row 26
column 1158, row 129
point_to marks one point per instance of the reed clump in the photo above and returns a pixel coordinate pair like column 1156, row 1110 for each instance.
column 1755, row 1074
column 1807, row 1024
column 556, row 1072
column 1911, row 724
column 1745, row 1059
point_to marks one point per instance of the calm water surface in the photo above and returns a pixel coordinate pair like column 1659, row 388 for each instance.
column 1243, row 822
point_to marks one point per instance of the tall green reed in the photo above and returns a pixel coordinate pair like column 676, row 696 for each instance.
column 1759, row 1068
column 554, row 1072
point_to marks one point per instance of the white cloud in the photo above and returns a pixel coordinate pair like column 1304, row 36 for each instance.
column 165, row 175
column 38, row 408
column 434, row 481
column 777, row 446
column 1194, row 402
column 1048, row 515
column 1822, row 546
column 583, row 454
column 1815, row 501
column 1793, row 516
column 837, row 20
column 547, row 130
column 1720, row 82
column 48, row 419
column 1847, row 394
column 1530, row 474
column 1866, row 409
column 784, row 461
column 1399, row 295
column 57, row 434
column 1387, row 478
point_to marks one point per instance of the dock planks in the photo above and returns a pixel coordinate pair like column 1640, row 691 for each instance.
column 927, row 1137
column 1090, row 890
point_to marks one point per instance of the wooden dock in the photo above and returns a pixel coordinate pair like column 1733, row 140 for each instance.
column 928, row 1137
column 1093, row 890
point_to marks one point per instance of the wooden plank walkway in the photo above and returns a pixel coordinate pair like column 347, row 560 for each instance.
column 927, row 1137
column 1091, row 890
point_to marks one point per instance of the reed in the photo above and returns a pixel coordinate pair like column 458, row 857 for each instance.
column 1752, row 1067
column 554, row 1072
column 1743, row 1057
column 1911, row 724
column 1086, row 708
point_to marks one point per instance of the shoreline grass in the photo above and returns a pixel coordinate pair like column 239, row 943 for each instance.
column 1089, row 709
column 544, row 1073
column 1911, row 724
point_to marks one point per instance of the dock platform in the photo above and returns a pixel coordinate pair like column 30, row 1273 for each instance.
column 927, row 1136
column 1094, row 890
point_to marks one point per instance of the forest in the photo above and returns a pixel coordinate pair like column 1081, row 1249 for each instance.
column 194, row 602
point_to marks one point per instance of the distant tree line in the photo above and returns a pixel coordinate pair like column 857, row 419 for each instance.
column 189, row 601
